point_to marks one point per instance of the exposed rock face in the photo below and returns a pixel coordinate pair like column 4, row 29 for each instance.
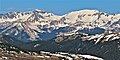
column 38, row 24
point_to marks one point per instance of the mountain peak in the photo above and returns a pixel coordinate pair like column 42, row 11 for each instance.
column 38, row 10
column 86, row 11
column 89, row 11
column 39, row 23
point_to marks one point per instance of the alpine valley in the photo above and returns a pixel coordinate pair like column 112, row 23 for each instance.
column 78, row 35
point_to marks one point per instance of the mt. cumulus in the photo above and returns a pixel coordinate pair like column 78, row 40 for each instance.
column 42, row 25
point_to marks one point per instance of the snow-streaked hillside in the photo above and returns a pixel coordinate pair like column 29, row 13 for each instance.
column 39, row 24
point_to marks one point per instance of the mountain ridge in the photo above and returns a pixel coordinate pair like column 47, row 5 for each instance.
column 32, row 25
column 78, row 43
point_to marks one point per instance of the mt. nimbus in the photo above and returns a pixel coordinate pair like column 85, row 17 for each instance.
column 42, row 25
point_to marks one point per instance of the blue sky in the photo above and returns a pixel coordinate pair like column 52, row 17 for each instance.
column 60, row 6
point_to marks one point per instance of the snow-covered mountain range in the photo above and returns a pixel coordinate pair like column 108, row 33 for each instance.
column 42, row 25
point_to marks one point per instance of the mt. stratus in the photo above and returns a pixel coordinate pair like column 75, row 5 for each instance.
column 38, row 24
